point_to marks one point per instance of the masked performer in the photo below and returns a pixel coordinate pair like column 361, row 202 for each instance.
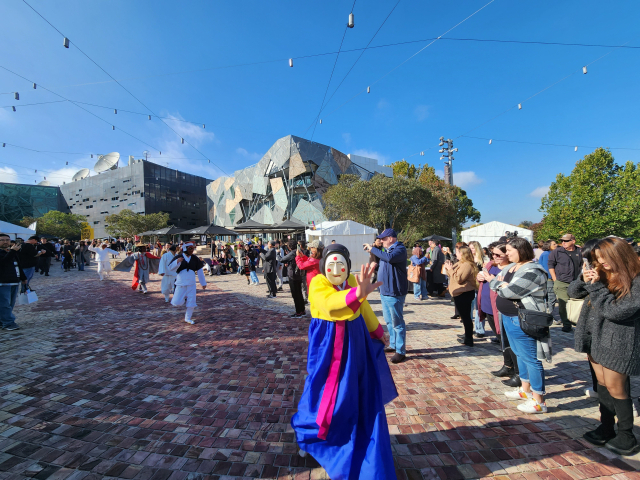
column 341, row 419
column 185, row 265
column 102, row 257
column 144, row 262
column 168, row 277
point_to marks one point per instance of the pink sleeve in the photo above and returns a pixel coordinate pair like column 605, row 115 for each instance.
column 378, row 333
column 352, row 300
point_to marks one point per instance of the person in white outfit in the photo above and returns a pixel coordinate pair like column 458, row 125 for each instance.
column 168, row 276
column 102, row 257
column 186, row 265
column 279, row 266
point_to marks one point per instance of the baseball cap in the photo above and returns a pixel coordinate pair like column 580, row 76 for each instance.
column 567, row 236
column 389, row 232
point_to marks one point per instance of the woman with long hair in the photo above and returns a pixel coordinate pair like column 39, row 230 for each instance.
column 310, row 264
column 523, row 284
column 478, row 257
column 609, row 331
column 418, row 259
column 462, row 287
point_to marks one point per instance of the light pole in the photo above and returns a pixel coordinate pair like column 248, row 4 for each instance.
column 447, row 152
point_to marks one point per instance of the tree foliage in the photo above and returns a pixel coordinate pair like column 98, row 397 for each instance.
column 58, row 224
column 599, row 198
column 127, row 223
column 415, row 202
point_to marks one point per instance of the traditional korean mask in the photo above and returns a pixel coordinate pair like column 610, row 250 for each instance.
column 336, row 268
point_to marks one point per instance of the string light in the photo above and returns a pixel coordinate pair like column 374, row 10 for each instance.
column 16, row 96
column 519, row 106
column 182, row 140
column 13, row 108
column 65, row 42
column 368, row 89
column 115, row 111
column 351, row 24
column 490, row 141
column 575, row 149
column 291, row 62
column 34, row 86
column 584, row 70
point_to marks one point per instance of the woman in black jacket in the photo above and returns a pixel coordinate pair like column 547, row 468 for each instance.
column 609, row 330
column 295, row 278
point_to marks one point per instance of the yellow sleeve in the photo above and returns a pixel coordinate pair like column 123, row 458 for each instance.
column 330, row 304
column 369, row 317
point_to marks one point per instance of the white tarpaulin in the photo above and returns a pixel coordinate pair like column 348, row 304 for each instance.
column 492, row 231
column 348, row 233
column 16, row 230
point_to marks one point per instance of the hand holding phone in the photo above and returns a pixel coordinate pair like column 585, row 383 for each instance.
column 586, row 265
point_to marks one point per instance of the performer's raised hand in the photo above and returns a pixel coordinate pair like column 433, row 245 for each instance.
column 365, row 287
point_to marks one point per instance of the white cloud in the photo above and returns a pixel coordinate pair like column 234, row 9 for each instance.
column 246, row 154
column 539, row 192
column 5, row 115
column 8, row 175
column 463, row 179
column 371, row 154
column 56, row 177
column 347, row 138
column 466, row 179
column 421, row 112
column 193, row 133
column 383, row 104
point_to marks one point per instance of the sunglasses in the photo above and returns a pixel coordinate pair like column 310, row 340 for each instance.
column 565, row 241
column 496, row 255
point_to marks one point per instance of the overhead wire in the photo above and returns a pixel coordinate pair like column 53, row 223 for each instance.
column 183, row 140
column 79, row 106
column 352, row 66
column 407, row 42
column 344, row 34
column 408, row 59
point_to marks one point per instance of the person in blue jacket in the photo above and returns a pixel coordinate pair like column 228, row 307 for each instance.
column 393, row 274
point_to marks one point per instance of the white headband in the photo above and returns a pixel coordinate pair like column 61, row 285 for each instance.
column 186, row 245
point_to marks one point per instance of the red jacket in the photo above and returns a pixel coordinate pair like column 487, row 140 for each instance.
column 311, row 265
column 494, row 297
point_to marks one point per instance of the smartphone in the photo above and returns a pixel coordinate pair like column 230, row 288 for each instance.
column 484, row 270
column 585, row 264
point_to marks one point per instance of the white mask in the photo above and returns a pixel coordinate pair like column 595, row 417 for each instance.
column 336, row 268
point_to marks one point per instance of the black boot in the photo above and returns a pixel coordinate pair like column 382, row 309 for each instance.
column 503, row 372
column 513, row 381
column 605, row 430
column 625, row 442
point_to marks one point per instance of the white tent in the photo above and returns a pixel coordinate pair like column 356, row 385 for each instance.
column 16, row 230
column 492, row 231
column 348, row 233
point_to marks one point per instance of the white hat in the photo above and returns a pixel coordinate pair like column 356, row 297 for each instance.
column 186, row 245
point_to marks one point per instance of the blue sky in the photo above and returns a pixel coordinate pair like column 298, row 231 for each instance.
column 169, row 54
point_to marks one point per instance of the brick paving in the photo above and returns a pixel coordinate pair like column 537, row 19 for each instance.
column 103, row 382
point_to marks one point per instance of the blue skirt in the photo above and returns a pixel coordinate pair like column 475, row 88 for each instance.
column 357, row 444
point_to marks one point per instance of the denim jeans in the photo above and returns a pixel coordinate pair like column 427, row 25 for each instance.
column 420, row 289
column 29, row 273
column 479, row 324
column 254, row 277
column 525, row 348
column 392, row 314
column 8, row 297
column 80, row 263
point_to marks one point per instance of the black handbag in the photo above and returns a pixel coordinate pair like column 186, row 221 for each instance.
column 534, row 323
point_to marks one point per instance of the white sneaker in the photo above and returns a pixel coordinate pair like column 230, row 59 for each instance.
column 532, row 406
column 189, row 321
column 589, row 392
column 516, row 394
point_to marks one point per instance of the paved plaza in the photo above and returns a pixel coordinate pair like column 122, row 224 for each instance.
column 104, row 382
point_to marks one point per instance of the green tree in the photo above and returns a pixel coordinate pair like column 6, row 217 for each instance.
column 526, row 224
column 58, row 224
column 599, row 198
column 127, row 223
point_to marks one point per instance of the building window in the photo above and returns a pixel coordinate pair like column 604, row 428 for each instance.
column 96, row 222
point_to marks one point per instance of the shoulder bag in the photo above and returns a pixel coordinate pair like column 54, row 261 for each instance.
column 413, row 273
column 532, row 322
column 574, row 307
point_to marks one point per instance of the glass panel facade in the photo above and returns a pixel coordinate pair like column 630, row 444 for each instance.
column 18, row 201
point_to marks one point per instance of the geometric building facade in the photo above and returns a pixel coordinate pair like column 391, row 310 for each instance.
column 287, row 183
column 18, row 201
column 142, row 187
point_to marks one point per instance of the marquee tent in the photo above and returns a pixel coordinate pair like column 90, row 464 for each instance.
column 16, row 231
column 348, row 233
column 492, row 231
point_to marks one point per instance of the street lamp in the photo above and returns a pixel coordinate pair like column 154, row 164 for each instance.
column 447, row 155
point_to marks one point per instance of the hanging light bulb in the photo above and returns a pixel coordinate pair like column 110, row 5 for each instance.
column 36, row 171
column 575, row 149
column 203, row 125
column 490, row 141
column 16, row 96
column 351, row 24
column 34, row 86
column 115, row 110
column 113, row 127
column 92, row 155
column 13, row 108
column 422, row 154
column 584, row 69
column 4, row 145
column 45, row 178
column 368, row 89
column 519, row 106
column 65, row 42
column 209, row 161
column 66, row 163
column 160, row 153
column 182, row 140
column 320, row 121
column 149, row 117
column 291, row 62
